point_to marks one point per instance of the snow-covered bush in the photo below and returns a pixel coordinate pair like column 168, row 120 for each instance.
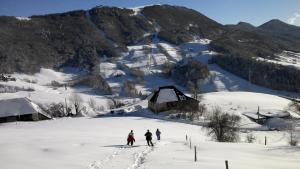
column 92, row 103
column 250, row 138
column 34, row 81
column 14, row 89
column 295, row 106
column 167, row 68
column 77, row 101
column 8, row 89
column 56, row 109
column 56, row 84
column 129, row 88
column 293, row 133
column 293, row 140
column 222, row 126
column 114, row 103
column 137, row 73
column 202, row 109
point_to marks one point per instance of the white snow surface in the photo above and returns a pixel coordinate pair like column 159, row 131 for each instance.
column 98, row 143
column 22, row 18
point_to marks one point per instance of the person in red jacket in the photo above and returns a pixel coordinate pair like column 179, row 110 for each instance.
column 130, row 138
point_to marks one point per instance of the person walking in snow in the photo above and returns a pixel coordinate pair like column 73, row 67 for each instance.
column 130, row 138
column 148, row 136
column 158, row 134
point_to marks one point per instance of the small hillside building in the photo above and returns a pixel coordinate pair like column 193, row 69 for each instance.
column 170, row 98
column 20, row 109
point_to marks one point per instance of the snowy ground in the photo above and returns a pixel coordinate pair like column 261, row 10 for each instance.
column 98, row 143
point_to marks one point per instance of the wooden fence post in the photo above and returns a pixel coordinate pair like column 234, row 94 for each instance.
column 190, row 143
column 195, row 153
column 226, row 164
column 265, row 140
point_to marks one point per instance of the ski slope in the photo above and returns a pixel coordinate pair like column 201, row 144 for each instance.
column 98, row 143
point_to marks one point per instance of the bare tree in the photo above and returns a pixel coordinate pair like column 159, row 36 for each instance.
column 55, row 109
column 295, row 106
column 192, row 88
column 293, row 140
column 292, row 132
column 92, row 103
column 114, row 103
column 76, row 100
column 129, row 88
column 222, row 126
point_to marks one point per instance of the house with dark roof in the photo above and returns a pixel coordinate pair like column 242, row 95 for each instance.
column 21, row 109
column 170, row 98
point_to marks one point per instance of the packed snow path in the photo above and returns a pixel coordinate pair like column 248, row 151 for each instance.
column 98, row 143
column 131, row 156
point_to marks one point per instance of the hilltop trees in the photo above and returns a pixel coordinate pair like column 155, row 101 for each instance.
column 189, row 72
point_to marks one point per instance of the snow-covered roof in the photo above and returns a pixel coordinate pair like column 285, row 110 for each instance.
column 267, row 113
column 19, row 106
column 167, row 94
column 274, row 113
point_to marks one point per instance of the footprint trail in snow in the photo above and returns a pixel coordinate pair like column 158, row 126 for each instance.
column 125, row 157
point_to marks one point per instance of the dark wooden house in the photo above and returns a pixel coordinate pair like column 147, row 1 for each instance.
column 170, row 98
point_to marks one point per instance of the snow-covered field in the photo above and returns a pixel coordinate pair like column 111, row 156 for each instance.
column 98, row 143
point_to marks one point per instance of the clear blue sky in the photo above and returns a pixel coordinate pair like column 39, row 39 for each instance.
column 255, row 12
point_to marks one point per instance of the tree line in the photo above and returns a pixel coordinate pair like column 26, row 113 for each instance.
column 262, row 73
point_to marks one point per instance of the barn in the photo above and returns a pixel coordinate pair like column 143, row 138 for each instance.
column 170, row 98
column 20, row 109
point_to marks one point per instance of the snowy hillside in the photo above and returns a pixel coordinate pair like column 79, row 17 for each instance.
column 148, row 59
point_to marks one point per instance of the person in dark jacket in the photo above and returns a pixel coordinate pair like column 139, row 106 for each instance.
column 158, row 134
column 130, row 138
column 148, row 136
